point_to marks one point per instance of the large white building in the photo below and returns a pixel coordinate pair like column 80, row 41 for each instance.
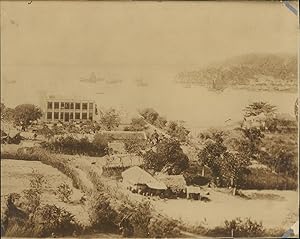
column 68, row 109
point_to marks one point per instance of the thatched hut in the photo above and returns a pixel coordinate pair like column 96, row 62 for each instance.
column 140, row 181
column 175, row 183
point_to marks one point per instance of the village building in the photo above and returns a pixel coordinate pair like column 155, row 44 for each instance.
column 176, row 184
column 68, row 109
column 193, row 192
column 9, row 134
column 122, row 161
column 122, row 136
column 117, row 139
column 11, row 137
column 139, row 181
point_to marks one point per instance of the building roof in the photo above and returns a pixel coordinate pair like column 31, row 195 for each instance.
column 136, row 175
column 27, row 135
column 122, row 160
column 124, row 135
column 174, row 182
column 11, row 133
column 57, row 97
column 117, row 147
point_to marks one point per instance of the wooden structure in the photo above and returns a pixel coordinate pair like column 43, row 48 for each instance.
column 139, row 181
column 175, row 183
column 193, row 192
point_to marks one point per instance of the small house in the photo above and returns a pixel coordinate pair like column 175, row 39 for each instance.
column 11, row 137
column 139, row 181
column 193, row 192
column 175, row 183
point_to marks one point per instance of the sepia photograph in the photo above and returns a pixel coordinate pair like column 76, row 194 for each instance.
column 149, row 119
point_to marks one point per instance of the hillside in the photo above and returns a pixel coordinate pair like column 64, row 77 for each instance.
column 266, row 72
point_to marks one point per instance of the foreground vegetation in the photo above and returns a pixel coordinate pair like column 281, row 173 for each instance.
column 108, row 207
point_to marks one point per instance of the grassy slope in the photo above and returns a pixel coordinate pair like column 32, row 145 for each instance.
column 16, row 175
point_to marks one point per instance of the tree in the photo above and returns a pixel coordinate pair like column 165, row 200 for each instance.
column 176, row 130
column 110, row 119
column 280, row 157
column 54, row 220
column 7, row 114
column 25, row 114
column 149, row 114
column 257, row 108
column 168, row 157
column 160, row 122
column 153, row 161
column 251, row 146
column 229, row 167
column 212, row 155
column 234, row 167
column 283, row 162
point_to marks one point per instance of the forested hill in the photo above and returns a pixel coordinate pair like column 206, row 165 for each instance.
column 253, row 72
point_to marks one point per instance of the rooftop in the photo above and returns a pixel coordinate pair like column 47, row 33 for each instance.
column 174, row 182
column 124, row 135
column 136, row 175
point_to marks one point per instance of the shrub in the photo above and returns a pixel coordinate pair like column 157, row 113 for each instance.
column 265, row 179
column 102, row 215
column 64, row 192
column 32, row 196
column 32, row 200
column 239, row 228
column 43, row 221
column 163, row 228
column 141, row 213
column 46, row 221
column 120, row 206
column 177, row 130
column 54, row 220
column 70, row 145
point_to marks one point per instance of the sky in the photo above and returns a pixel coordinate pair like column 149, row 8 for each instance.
column 48, row 47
